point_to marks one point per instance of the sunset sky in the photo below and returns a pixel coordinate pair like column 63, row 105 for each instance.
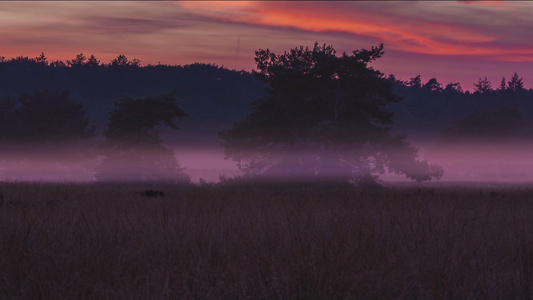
column 454, row 41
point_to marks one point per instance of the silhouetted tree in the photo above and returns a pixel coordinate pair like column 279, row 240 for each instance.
column 453, row 87
column 46, row 126
column 503, row 85
column 516, row 84
column 415, row 82
column 136, row 62
column 482, row 86
column 50, row 117
column 92, row 62
column 79, row 60
column 133, row 147
column 433, row 85
column 41, row 59
column 323, row 116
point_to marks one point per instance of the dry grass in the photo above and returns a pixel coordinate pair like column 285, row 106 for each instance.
column 68, row 241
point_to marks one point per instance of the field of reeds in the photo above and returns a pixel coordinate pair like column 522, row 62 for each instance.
column 277, row 241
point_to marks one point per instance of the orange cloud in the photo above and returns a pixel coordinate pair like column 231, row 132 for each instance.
column 495, row 3
column 414, row 35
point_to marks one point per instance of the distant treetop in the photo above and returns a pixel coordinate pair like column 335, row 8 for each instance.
column 79, row 60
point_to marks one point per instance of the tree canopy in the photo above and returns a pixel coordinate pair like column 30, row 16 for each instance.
column 133, row 147
column 483, row 86
column 46, row 116
column 47, row 128
column 323, row 115
column 516, row 83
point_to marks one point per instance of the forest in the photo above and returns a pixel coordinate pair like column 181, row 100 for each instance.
column 215, row 94
column 66, row 105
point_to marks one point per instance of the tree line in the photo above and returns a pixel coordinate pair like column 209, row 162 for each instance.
column 215, row 97
column 80, row 60
column 432, row 110
column 321, row 115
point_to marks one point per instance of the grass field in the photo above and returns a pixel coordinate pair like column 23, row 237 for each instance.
column 98, row 241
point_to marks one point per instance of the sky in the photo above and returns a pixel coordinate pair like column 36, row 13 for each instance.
column 454, row 41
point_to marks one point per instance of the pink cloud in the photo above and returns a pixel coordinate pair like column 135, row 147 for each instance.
column 409, row 33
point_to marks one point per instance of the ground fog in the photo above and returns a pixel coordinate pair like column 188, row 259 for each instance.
column 462, row 162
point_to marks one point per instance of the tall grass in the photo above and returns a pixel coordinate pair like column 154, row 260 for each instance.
column 96, row 241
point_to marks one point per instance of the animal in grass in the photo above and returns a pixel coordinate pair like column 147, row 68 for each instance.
column 152, row 193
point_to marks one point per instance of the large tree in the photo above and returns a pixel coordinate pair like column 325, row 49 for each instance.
column 133, row 148
column 322, row 116
column 46, row 123
column 44, row 133
column 50, row 117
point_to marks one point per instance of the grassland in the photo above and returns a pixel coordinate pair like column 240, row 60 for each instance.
column 97, row 241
